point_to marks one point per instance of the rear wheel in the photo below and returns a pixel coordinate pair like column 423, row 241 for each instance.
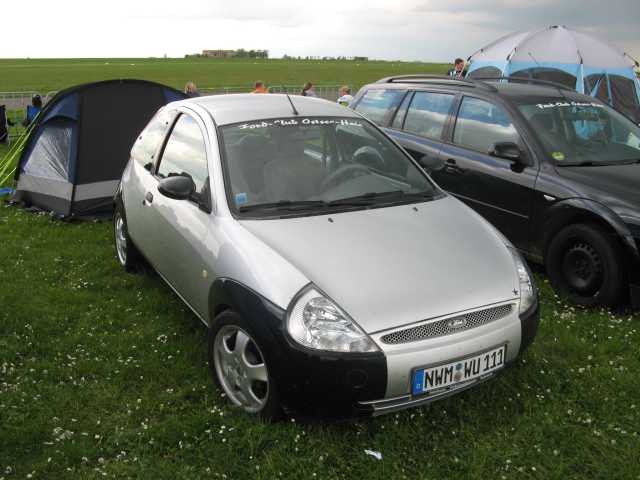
column 584, row 263
column 126, row 252
column 240, row 369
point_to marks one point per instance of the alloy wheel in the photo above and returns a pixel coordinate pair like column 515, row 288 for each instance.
column 241, row 369
column 121, row 239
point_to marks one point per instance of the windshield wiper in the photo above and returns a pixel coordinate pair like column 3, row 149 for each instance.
column 288, row 205
column 586, row 163
column 372, row 197
column 591, row 163
column 363, row 200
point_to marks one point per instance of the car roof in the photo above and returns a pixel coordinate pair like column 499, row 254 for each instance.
column 248, row 107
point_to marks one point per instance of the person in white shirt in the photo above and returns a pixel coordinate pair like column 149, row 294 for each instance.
column 345, row 96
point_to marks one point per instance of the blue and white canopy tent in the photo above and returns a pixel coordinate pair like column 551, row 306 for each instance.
column 567, row 56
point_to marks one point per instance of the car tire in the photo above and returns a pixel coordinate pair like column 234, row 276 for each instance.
column 584, row 263
column 241, row 370
column 126, row 252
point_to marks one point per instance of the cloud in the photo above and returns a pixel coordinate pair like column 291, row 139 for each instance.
column 430, row 30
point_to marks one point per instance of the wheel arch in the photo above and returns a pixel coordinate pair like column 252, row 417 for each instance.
column 228, row 294
column 578, row 210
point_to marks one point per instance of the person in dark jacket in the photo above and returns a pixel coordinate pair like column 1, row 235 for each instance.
column 458, row 70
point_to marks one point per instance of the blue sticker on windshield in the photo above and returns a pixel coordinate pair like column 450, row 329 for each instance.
column 241, row 198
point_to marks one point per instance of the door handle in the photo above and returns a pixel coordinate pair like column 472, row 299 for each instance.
column 148, row 199
column 451, row 166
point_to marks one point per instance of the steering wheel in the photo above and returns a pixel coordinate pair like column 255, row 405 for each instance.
column 347, row 171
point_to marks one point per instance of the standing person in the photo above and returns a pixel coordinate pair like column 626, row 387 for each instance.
column 458, row 70
column 33, row 110
column 191, row 90
column 308, row 91
column 345, row 96
column 260, row 87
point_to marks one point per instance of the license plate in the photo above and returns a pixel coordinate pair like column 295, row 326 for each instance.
column 434, row 378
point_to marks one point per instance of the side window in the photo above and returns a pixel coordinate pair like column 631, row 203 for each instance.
column 185, row 153
column 376, row 104
column 148, row 142
column 480, row 124
column 428, row 113
column 398, row 119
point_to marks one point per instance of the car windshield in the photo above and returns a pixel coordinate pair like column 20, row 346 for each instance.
column 583, row 132
column 316, row 163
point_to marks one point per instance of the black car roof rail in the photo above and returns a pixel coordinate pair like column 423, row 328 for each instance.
column 547, row 83
column 437, row 80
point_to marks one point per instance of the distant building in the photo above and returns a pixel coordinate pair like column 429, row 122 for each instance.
column 219, row 53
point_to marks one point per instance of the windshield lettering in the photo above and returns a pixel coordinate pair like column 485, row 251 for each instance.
column 292, row 122
column 542, row 106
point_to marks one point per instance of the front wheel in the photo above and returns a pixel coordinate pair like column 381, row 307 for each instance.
column 240, row 368
column 584, row 263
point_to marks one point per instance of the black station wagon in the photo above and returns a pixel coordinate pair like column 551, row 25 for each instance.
column 557, row 172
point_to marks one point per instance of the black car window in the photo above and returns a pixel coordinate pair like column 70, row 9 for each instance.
column 480, row 124
column 399, row 118
column 149, row 140
column 428, row 113
column 583, row 131
column 376, row 104
column 185, row 153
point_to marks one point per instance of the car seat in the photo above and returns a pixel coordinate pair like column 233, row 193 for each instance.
column 246, row 160
column 291, row 175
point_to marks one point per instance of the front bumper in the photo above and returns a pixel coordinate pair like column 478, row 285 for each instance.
column 336, row 384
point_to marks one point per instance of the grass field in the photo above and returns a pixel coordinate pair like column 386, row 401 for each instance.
column 47, row 75
column 103, row 374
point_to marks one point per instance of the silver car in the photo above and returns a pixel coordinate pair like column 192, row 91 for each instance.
column 332, row 274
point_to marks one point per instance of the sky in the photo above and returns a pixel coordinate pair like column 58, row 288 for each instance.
column 426, row 30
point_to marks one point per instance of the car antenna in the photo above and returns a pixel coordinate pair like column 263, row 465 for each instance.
column 295, row 112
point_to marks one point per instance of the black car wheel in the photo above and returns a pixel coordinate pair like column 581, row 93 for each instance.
column 240, row 368
column 126, row 252
column 584, row 263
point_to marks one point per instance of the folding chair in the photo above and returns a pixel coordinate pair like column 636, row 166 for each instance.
column 4, row 125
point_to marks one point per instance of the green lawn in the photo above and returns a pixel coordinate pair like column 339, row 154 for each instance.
column 104, row 373
column 47, row 75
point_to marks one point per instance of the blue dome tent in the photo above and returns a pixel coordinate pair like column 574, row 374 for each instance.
column 562, row 55
column 79, row 145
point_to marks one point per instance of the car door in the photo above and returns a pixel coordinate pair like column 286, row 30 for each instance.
column 420, row 123
column 499, row 189
column 138, row 178
column 177, row 230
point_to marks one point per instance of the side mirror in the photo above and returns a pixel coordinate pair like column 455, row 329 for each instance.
column 431, row 164
column 177, row 187
column 506, row 150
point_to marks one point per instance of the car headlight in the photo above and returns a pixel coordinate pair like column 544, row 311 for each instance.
column 527, row 289
column 316, row 322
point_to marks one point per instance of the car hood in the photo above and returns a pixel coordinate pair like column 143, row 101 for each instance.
column 615, row 184
column 393, row 266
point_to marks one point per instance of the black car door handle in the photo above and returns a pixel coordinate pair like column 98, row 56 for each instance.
column 148, row 198
column 452, row 166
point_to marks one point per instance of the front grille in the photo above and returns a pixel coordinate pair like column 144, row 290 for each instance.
column 447, row 326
